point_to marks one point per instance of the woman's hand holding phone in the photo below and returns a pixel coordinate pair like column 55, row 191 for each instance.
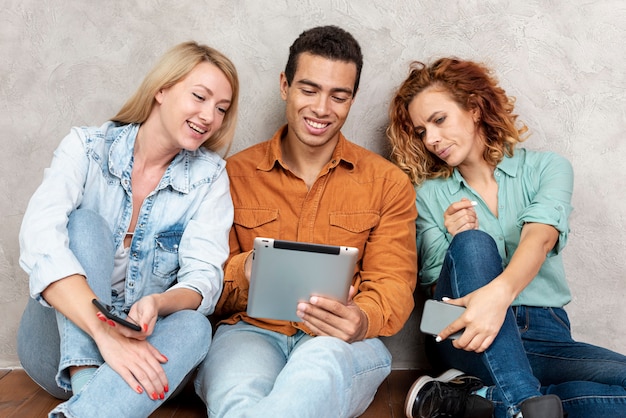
column 109, row 313
column 438, row 315
column 485, row 312
column 127, row 351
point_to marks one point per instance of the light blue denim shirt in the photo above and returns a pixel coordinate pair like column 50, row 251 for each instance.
column 181, row 236
column 532, row 187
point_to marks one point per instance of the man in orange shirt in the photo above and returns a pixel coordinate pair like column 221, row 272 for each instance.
column 309, row 183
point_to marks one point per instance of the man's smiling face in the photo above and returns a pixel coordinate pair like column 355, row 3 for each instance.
column 318, row 100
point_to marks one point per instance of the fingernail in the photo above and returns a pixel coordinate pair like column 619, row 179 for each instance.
column 474, row 203
column 162, row 396
column 101, row 317
column 155, row 396
column 110, row 322
column 445, row 298
column 438, row 339
column 145, row 327
column 166, row 388
column 139, row 389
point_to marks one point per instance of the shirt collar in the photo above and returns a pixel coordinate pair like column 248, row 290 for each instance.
column 344, row 152
column 508, row 166
column 177, row 175
column 121, row 151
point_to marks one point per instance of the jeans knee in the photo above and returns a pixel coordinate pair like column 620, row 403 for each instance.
column 193, row 326
column 81, row 219
column 88, row 232
column 352, row 358
column 474, row 245
column 473, row 237
column 472, row 261
column 328, row 350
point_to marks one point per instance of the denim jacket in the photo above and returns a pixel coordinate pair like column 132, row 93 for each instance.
column 181, row 236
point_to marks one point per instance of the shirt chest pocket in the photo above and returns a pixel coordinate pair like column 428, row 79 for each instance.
column 165, row 263
column 352, row 228
column 251, row 223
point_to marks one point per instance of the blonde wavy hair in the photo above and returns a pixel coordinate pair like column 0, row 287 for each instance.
column 472, row 86
column 173, row 66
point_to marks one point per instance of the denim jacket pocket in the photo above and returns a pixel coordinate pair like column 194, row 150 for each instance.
column 254, row 222
column 165, row 263
column 353, row 228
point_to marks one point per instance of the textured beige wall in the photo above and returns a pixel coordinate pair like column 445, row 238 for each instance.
column 71, row 62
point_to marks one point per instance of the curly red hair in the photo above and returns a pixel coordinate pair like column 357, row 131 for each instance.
column 472, row 86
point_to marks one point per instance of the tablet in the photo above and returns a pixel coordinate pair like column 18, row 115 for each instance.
column 287, row 272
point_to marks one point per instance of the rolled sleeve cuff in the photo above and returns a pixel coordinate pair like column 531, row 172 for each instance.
column 234, row 297
column 235, row 270
column 210, row 293
column 49, row 269
column 374, row 319
column 556, row 216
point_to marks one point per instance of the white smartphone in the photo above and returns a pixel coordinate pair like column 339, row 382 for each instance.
column 437, row 315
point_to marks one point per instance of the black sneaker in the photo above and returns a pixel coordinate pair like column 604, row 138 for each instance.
column 448, row 395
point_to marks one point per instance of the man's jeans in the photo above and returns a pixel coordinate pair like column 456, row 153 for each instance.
column 48, row 343
column 534, row 352
column 253, row 372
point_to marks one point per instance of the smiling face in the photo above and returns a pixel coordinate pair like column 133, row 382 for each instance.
column 447, row 130
column 318, row 100
column 194, row 108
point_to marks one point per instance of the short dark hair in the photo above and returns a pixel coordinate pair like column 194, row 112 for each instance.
column 329, row 42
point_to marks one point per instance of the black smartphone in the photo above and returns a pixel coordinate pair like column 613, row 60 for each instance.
column 109, row 313
column 437, row 315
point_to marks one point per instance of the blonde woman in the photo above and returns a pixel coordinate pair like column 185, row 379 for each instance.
column 134, row 214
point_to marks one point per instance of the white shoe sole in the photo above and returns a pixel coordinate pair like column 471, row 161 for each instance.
column 419, row 383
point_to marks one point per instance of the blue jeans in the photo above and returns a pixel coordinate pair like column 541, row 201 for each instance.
column 253, row 372
column 49, row 343
column 534, row 352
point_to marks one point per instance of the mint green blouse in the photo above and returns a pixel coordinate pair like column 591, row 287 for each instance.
column 532, row 187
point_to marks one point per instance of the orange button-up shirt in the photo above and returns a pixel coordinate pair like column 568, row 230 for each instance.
column 359, row 199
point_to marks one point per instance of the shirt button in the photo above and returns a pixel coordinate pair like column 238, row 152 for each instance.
column 131, row 284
